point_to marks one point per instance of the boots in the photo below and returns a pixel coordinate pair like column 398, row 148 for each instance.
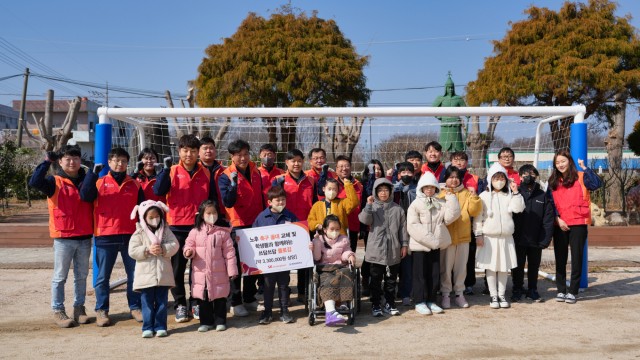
column 80, row 315
column 102, row 318
column 62, row 320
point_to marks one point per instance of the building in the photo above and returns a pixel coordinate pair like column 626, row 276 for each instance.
column 8, row 118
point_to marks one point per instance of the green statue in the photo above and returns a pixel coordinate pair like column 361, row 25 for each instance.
column 451, row 127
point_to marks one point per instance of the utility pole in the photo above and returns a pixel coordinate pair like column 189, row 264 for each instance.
column 22, row 105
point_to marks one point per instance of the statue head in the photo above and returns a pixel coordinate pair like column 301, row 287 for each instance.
column 449, row 87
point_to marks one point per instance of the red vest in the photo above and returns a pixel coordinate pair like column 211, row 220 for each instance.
column 439, row 170
column 573, row 203
column 249, row 199
column 299, row 195
column 112, row 208
column 313, row 175
column 68, row 215
column 186, row 194
column 352, row 218
column 470, row 180
column 267, row 178
column 147, row 188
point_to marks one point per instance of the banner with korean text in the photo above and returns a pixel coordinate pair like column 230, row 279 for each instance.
column 274, row 248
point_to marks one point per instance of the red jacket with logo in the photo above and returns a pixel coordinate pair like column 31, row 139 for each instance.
column 147, row 187
column 299, row 194
column 249, row 197
column 68, row 215
column 267, row 177
column 112, row 208
column 186, row 193
column 573, row 203
column 439, row 170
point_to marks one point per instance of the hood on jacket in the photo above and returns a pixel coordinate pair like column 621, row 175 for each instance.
column 494, row 169
column 142, row 209
column 427, row 179
column 379, row 182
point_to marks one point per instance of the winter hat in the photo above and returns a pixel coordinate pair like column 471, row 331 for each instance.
column 142, row 209
column 494, row 169
column 428, row 179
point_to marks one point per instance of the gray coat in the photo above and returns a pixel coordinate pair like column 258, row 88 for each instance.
column 387, row 228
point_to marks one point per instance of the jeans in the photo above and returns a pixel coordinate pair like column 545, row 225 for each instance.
column 154, row 308
column 105, row 258
column 64, row 252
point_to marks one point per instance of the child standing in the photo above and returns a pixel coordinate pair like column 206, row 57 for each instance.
column 275, row 214
column 152, row 246
column 427, row 218
column 331, row 205
column 330, row 252
column 387, row 244
column 213, row 259
column 404, row 192
column 494, row 229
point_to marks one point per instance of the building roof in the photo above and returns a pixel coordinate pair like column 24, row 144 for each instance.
column 58, row 105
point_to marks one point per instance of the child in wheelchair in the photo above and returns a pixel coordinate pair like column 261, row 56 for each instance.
column 331, row 252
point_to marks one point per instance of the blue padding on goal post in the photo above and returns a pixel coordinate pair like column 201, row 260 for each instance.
column 579, row 151
column 102, row 148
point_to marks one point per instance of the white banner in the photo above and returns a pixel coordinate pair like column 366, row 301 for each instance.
column 269, row 249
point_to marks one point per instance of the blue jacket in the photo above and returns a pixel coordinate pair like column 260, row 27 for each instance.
column 268, row 218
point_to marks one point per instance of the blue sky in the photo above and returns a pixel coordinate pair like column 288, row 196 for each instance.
column 158, row 45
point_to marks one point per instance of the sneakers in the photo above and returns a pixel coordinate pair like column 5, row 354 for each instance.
column 423, row 309
column 239, row 311
column 221, row 327
column 147, row 334
column 504, row 304
column 468, row 290
column 161, row 333
column 560, row 297
column 102, row 318
column 534, row 296
column 136, row 314
column 516, row 295
column 195, row 310
column 285, row 317
column 80, row 315
column 376, row 311
column 461, row 301
column 435, row 308
column 446, row 302
column 406, row 301
column 253, row 306
column 570, row 298
column 204, row 328
column 390, row 309
column 494, row 304
column 265, row 319
column 333, row 318
column 181, row 314
column 62, row 320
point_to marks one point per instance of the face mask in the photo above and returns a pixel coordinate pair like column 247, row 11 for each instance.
column 268, row 162
column 277, row 208
column 498, row 184
column 210, row 219
column 406, row 178
column 333, row 234
column 154, row 222
column 528, row 179
column 330, row 194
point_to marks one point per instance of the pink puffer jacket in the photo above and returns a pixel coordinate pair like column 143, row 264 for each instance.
column 213, row 261
column 337, row 255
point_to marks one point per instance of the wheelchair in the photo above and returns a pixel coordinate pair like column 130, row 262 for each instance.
column 315, row 305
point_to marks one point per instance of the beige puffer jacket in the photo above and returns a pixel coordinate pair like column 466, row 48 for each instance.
column 152, row 270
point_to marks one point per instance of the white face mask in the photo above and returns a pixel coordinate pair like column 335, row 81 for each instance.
column 333, row 234
column 277, row 208
column 498, row 184
column 154, row 222
column 210, row 219
column 330, row 194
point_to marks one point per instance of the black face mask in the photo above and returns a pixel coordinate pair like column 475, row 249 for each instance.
column 528, row 180
column 406, row 179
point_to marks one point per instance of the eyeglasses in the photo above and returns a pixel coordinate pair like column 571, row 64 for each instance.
column 384, row 189
column 343, row 167
column 506, row 157
column 121, row 162
column 318, row 158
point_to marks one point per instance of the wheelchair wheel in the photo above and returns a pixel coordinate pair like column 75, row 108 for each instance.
column 352, row 318
column 312, row 319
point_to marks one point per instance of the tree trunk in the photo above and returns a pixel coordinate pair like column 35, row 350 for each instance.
column 272, row 132
column 222, row 131
column 478, row 143
column 346, row 136
column 614, row 144
column 172, row 121
column 560, row 133
column 288, row 133
column 65, row 133
column 48, row 113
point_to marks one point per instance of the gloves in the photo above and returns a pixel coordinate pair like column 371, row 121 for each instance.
column 280, row 181
column 158, row 167
column 167, row 162
column 139, row 167
column 52, row 156
column 97, row 168
column 234, row 178
column 325, row 168
column 372, row 169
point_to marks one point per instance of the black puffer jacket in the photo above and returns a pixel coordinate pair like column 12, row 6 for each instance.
column 534, row 226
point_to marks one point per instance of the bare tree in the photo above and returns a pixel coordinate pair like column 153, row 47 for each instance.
column 478, row 143
column 51, row 140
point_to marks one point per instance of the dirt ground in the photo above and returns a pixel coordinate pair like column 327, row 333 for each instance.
column 603, row 324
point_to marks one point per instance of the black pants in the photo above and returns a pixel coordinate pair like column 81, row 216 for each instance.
column 243, row 288
column 470, row 280
column 179, row 264
column 365, row 268
column 426, row 275
column 532, row 256
column 280, row 278
column 214, row 312
column 576, row 237
column 390, row 277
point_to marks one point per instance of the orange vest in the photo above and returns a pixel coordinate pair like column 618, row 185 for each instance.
column 249, row 199
column 439, row 170
column 354, row 222
column 267, row 178
column 186, row 194
column 112, row 208
column 573, row 203
column 299, row 195
column 68, row 215
column 147, row 188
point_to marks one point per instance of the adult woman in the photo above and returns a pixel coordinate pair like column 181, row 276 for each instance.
column 570, row 188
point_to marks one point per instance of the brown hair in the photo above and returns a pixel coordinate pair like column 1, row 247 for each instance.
column 556, row 175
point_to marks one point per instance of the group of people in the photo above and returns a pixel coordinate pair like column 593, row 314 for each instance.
column 421, row 224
